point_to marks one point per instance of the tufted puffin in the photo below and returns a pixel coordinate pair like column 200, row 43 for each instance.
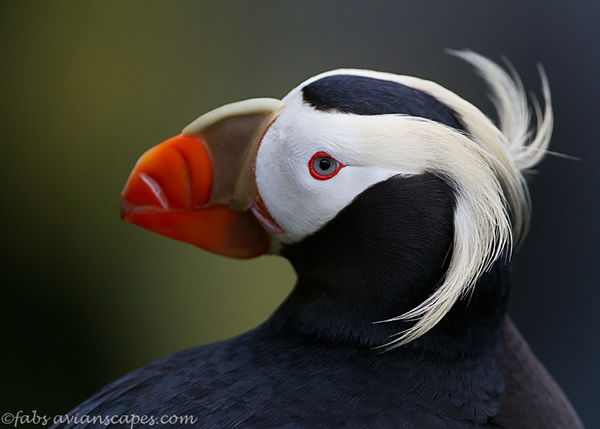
column 398, row 204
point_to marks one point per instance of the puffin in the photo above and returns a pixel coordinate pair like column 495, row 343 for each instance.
column 398, row 204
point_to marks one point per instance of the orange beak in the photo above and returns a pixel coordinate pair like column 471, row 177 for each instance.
column 198, row 187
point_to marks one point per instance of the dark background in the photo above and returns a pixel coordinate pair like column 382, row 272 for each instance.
column 86, row 87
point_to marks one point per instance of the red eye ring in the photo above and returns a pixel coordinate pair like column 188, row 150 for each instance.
column 323, row 166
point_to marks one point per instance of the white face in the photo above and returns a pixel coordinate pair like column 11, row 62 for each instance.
column 299, row 201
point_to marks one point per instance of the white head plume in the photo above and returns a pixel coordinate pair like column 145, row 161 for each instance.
column 486, row 218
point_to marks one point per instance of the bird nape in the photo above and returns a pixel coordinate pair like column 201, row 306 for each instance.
column 398, row 204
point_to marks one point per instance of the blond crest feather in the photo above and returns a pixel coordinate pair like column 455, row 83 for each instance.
column 492, row 198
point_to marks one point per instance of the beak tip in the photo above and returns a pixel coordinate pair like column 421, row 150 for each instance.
column 125, row 210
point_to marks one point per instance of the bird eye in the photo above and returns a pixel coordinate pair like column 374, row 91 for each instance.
column 322, row 166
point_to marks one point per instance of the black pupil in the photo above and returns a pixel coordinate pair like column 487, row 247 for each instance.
column 325, row 164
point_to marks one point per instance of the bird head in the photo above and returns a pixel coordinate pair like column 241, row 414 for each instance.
column 261, row 175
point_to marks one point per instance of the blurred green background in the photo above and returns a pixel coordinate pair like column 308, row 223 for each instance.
column 86, row 87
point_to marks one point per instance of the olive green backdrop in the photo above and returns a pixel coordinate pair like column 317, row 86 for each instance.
column 86, row 87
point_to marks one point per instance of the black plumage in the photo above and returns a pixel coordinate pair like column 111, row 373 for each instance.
column 361, row 95
column 313, row 363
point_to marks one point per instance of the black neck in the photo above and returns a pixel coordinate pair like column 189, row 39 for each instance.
column 381, row 256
